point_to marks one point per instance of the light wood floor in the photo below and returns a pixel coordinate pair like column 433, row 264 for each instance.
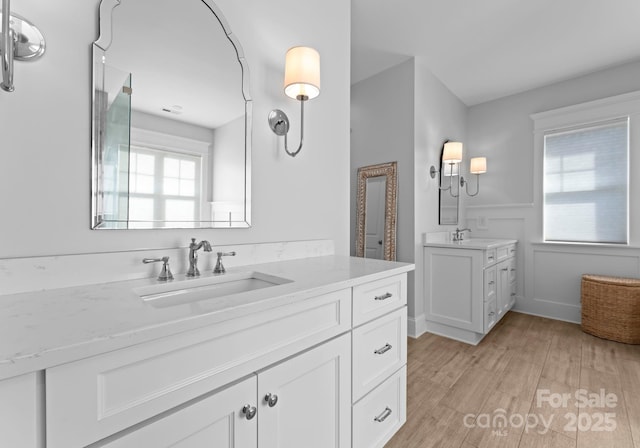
column 450, row 383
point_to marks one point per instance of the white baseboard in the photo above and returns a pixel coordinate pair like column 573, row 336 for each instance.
column 416, row 326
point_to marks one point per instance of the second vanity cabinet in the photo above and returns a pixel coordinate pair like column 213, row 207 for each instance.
column 469, row 286
column 327, row 371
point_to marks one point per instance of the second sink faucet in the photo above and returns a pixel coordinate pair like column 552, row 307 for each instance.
column 459, row 234
column 193, row 256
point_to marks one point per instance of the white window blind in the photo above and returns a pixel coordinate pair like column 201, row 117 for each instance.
column 586, row 183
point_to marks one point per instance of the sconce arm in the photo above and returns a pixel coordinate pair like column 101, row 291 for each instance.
column 295, row 153
column 7, row 48
column 465, row 183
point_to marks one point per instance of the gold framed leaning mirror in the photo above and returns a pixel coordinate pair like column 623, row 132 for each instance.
column 377, row 211
column 171, row 124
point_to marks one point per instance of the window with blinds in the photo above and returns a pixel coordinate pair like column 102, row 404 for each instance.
column 586, row 183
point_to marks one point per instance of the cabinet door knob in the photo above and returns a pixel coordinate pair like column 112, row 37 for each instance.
column 382, row 417
column 382, row 350
column 383, row 296
column 271, row 399
column 249, row 411
column 492, row 313
column 492, row 282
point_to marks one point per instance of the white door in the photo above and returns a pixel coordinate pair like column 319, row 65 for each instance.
column 374, row 219
column 306, row 401
column 227, row 419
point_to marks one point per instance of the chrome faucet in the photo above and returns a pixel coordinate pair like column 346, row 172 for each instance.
column 459, row 234
column 193, row 256
column 219, row 269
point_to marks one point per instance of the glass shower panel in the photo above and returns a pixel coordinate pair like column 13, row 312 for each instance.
column 116, row 151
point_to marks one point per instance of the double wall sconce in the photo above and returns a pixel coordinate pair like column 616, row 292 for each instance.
column 452, row 157
column 21, row 41
column 301, row 82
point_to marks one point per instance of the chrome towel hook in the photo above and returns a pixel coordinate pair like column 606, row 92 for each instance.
column 20, row 41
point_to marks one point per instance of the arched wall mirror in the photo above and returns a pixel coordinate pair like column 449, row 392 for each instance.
column 449, row 198
column 171, row 138
column 377, row 211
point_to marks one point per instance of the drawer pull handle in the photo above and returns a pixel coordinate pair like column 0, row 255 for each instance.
column 382, row 417
column 513, row 294
column 512, row 250
column 249, row 411
column 271, row 399
column 492, row 282
column 383, row 296
column 490, row 258
column 505, row 269
column 492, row 313
column 513, row 270
column 383, row 350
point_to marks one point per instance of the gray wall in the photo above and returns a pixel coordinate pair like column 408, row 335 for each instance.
column 45, row 167
column 405, row 113
column 548, row 274
column 382, row 131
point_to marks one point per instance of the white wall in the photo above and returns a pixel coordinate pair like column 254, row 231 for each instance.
column 45, row 165
column 439, row 115
column 549, row 275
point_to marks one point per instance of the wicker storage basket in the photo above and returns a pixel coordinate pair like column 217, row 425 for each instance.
column 611, row 308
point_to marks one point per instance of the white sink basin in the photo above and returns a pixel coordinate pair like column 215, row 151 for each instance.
column 192, row 290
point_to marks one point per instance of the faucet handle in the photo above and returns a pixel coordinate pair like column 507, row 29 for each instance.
column 219, row 269
column 165, row 273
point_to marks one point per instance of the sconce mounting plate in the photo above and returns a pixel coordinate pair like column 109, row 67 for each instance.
column 278, row 122
column 29, row 42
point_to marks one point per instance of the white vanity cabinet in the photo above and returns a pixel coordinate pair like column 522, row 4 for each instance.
column 301, row 374
column 469, row 286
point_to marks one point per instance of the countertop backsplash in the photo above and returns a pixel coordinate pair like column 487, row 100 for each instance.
column 60, row 271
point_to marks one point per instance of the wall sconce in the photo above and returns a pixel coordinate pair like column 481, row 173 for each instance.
column 301, row 82
column 21, row 41
column 452, row 156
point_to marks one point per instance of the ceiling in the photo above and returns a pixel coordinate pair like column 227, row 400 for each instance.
column 486, row 49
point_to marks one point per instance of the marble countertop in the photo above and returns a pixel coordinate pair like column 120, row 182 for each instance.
column 473, row 243
column 47, row 328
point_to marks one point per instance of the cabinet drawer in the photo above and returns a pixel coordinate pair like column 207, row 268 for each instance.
column 216, row 420
column 489, row 257
column 490, row 283
column 93, row 398
column 376, row 298
column 379, row 349
column 490, row 315
column 380, row 414
column 505, row 252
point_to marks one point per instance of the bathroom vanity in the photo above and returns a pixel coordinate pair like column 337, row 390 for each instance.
column 314, row 355
column 469, row 286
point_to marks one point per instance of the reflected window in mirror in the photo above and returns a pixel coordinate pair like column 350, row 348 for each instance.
column 149, row 81
column 377, row 211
